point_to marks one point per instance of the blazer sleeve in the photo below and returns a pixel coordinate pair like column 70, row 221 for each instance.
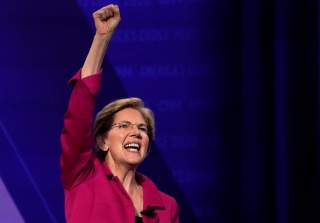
column 175, row 218
column 77, row 156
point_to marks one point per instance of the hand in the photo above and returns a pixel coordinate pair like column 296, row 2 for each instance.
column 106, row 19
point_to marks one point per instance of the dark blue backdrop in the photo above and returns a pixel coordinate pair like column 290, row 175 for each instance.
column 234, row 86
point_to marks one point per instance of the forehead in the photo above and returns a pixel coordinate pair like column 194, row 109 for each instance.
column 129, row 114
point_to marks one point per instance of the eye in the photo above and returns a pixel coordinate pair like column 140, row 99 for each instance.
column 143, row 128
column 123, row 125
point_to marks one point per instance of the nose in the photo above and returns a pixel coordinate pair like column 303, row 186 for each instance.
column 135, row 130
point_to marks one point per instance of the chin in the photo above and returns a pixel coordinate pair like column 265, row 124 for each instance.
column 134, row 162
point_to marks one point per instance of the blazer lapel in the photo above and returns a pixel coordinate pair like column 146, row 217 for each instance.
column 147, row 219
column 152, row 201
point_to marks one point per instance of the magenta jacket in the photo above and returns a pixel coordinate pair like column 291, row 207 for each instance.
column 92, row 193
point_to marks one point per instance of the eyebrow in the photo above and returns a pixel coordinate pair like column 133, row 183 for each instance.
column 125, row 121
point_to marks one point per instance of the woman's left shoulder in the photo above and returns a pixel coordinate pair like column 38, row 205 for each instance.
column 148, row 184
column 166, row 198
column 171, row 205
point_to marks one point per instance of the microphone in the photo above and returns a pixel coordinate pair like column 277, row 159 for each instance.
column 150, row 210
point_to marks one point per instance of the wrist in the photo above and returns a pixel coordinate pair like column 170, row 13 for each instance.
column 104, row 37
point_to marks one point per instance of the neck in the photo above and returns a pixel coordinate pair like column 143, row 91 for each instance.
column 126, row 175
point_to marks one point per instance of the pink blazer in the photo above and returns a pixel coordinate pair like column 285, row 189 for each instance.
column 92, row 193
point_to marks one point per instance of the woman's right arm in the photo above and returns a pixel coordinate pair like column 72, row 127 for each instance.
column 77, row 137
column 106, row 20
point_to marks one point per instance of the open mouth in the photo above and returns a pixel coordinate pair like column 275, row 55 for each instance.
column 132, row 147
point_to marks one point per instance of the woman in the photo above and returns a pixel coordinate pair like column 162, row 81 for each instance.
column 103, row 186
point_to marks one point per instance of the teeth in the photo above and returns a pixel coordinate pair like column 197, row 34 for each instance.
column 132, row 146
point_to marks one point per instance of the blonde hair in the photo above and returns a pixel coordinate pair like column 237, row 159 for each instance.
column 104, row 120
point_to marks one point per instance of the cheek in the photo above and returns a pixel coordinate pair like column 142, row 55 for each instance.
column 115, row 138
column 146, row 142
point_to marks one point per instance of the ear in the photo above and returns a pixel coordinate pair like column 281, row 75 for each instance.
column 102, row 143
column 105, row 146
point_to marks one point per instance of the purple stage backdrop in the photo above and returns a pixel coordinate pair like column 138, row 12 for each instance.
column 158, row 53
column 234, row 88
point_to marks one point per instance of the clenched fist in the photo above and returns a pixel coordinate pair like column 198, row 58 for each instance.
column 106, row 19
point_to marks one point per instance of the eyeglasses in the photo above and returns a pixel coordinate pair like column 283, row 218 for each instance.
column 128, row 125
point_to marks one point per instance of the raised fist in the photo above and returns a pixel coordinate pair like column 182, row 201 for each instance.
column 106, row 19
